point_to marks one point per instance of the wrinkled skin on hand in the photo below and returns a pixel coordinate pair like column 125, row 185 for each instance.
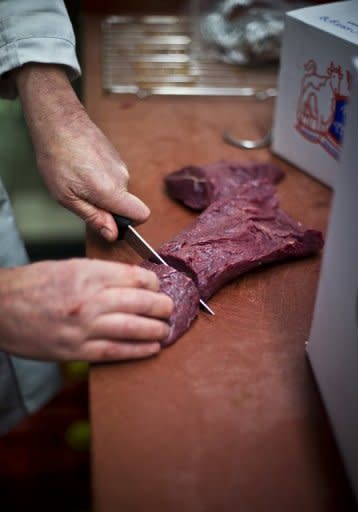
column 80, row 166
column 82, row 309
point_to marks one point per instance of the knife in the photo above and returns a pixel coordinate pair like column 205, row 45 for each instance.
column 128, row 233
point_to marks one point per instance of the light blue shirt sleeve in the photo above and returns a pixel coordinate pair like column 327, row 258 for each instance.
column 34, row 31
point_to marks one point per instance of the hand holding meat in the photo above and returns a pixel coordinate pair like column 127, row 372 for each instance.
column 82, row 310
column 81, row 168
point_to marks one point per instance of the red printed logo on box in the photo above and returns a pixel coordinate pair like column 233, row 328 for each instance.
column 321, row 109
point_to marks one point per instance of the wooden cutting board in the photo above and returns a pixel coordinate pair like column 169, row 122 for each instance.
column 229, row 418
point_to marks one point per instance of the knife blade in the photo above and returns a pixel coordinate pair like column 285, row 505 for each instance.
column 128, row 233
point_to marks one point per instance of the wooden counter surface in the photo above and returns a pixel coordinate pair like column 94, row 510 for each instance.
column 229, row 418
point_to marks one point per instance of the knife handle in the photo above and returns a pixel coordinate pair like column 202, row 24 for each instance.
column 122, row 224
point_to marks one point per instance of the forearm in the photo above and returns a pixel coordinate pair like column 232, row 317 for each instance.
column 48, row 100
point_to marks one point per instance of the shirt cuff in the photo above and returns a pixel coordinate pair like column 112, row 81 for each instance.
column 43, row 49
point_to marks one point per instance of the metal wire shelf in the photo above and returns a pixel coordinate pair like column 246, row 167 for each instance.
column 151, row 55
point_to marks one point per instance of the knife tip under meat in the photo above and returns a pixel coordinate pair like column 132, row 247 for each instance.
column 206, row 307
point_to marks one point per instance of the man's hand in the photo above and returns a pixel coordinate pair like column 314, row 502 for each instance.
column 80, row 166
column 82, row 310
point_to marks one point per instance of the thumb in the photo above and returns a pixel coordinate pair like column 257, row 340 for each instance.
column 123, row 203
column 101, row 220
column 130, row 206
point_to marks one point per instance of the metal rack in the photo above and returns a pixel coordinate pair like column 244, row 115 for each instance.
column 151, row 55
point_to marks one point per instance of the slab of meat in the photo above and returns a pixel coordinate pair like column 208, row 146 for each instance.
column 184, row 294
column 237, row 234
column 197, row 187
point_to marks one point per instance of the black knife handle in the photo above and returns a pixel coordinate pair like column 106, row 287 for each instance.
column 122, row 224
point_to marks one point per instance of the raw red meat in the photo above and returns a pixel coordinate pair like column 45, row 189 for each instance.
column 197, row 187
column 237, row 234
column 185, row 296
column 230, row 237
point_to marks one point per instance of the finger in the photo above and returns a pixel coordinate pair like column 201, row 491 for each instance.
column 131, row 300
column 125, row 326
column 107, row 350
column 118, row 201
column 95, row 217
column 130, row 206
column 116, row 198
column 121, row 275
column 125, row 204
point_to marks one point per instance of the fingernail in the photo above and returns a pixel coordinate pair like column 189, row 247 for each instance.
column 106, row 233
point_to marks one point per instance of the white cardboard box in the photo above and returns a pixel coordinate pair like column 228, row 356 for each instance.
column 314, row 85
column 333, row 344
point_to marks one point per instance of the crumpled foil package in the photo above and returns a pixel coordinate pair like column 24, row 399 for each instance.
column 245, row 31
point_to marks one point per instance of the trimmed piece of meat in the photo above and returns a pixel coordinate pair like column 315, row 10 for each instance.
column 184, row 294
column 197, row 187
column 237, row 234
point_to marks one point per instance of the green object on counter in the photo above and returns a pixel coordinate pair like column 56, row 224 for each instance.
column 77, row 369
column 78, row 435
